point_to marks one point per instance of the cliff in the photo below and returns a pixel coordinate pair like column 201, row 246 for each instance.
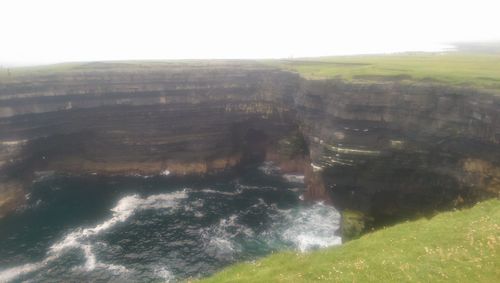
column 387, row 149
column 394, row 151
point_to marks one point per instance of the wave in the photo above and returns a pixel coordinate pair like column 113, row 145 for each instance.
column 313, row 227
column 256, row 226
column 304, row 228
column 164, row 273
column 81, row 238
column 269, row 168
column 294, row 178
column 219, row 238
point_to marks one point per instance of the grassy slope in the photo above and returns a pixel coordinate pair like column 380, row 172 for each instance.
column 461, row 69
column 460, row 246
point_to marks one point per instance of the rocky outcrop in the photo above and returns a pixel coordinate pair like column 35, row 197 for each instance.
column 388, row 150
column 108, row 119
column 394, row 151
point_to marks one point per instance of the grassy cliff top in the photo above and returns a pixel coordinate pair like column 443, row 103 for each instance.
column 462, row 69
column 480, row 70
column 459, row 246
column 26, row 73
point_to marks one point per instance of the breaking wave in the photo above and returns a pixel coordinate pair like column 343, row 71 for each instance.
column 180, row 234
column 313, row 227
column 294, row 178
column 82, row 238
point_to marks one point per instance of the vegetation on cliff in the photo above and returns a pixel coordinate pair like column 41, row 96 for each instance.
column 471, row 69
column 353, row 224
column 452, row 68
column 459, row 246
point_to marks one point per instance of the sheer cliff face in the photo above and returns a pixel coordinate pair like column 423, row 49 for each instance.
column 181, row 119
column 381, row 148
column 392, row 150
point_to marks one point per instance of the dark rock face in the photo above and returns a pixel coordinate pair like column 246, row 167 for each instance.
column 394, row 151
column 180, row 119
column 384, row 149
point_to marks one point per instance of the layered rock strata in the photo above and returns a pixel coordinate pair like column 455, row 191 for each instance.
column 389, row 150
column 393, row 150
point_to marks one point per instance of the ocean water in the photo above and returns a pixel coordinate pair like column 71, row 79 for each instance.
column 158, row 228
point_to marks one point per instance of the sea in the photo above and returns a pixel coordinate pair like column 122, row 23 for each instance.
column 158, row 228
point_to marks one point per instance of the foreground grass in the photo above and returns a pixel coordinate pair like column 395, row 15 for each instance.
column 460, row 69
column 460, row 246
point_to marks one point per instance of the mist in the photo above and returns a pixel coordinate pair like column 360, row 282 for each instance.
column 56, row 30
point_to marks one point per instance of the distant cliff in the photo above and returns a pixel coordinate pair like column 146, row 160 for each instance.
column 387, row 149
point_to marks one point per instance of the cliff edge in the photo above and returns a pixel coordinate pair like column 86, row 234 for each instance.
column 388, row 149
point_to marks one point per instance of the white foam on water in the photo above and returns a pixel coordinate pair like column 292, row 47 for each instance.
column 164, row 273
column 269, row 168
column 91, row 262
column 195, row 207
column 316, row 168
column 240, row 190
column 43, row 175
column 12, row 273
column 80, row 238
column 218, row 238
column 125, row 208
column 210, row 191
column 294, row 178
column 140, row 175
column 242, row 187
column 260, row 202
column 90, row 257
column 313, row 227
column 221, row 247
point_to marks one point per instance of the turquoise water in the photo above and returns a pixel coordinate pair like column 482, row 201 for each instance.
column 157, row 228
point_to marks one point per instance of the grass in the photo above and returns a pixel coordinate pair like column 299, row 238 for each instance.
column 471, row 69
column 9, row 74
column 459, row 246
column 455, row 68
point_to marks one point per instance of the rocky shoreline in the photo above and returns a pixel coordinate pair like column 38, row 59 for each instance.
column 388, row 150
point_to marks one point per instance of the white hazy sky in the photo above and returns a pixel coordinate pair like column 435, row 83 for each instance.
column 44, row 31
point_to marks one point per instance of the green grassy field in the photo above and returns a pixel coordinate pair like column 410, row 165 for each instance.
column 459, row 246
column 458, row 69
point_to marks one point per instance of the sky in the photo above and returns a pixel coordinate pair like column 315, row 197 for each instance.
column 50, row 31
